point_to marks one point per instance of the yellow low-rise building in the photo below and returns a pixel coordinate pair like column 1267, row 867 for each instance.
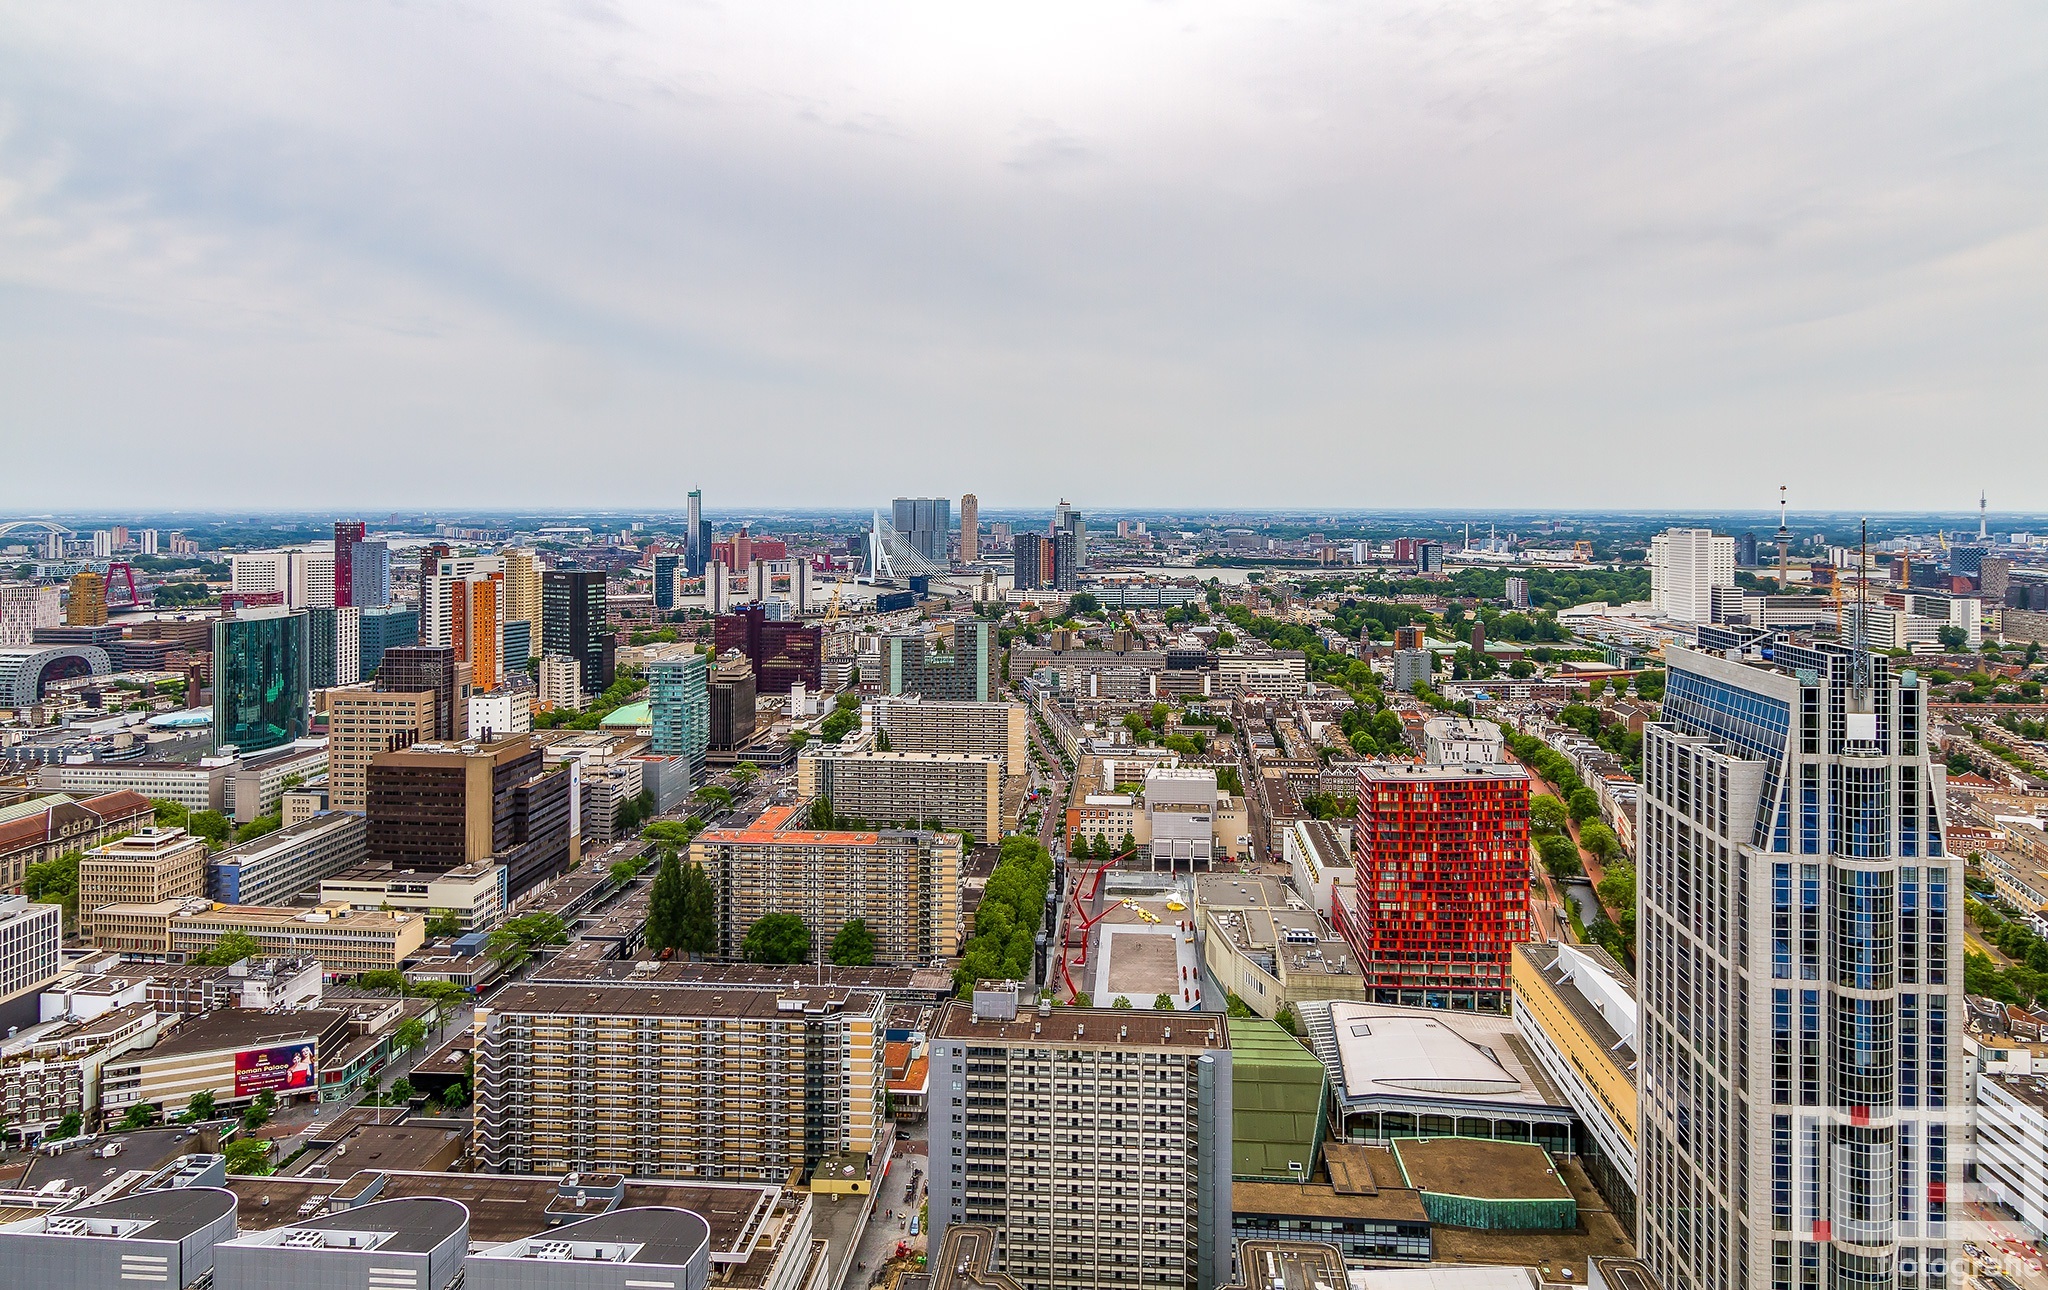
column 1577, row 1008
column 346, row 941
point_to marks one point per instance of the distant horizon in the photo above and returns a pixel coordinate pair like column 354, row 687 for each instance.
column 371, row 514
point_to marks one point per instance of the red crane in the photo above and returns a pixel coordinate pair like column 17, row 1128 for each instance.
column 128, row 574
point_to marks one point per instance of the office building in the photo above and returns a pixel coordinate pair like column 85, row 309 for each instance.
column 970, row 529
column 783, row 654
column 474, row 895
column 772, row 1081
column 348, row 535
column 504, row 711
column 932, row 790
column 573, row 623
column 435, row 807
column 30, row 934
column 378, row 630
column 256, row 783
column 1576, row 1009
column 164, row 1237
column 1462, row 741
column 363, row 723
column 261, row 697
column 148, row 865
column 1028, row 556
column 1095, row 1144
column 412, row 668
column 905, row 885
column 87, row 606
column 1065, row 519
column 515, row 649
column 282, row 865
column 964, row 673
column 416, row 1243
column 696, row 534
column 197, row 786
column 1518, row 592
column 561, row 683
column 665, row 571
column 25, row 607
column 1685, row 567
column 1180, row 804
column 925, row 523
column 679, row 704
column 334, row 647
column 734, row 704
column 1442, row 854
column 42, row 828
column 1429, row 558
column 1794, row 880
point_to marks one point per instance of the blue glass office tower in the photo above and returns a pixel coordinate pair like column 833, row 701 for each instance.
column 665, row 581
column 260, row 679
column 679, row 703
column 1800, row 956
column 391, row 627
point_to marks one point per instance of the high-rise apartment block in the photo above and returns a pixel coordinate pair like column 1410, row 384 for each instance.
column 522, row 588
column 573, row 623
column 679, row 705
column 436, row 807
column 560, row 679
column 1442, row 855
column 25, row 607
column 966, row 672
column 782, row 653
column 364, row 723
column 348, row 534
column 1804, row 1089
column 1685, row 567
column 410, row 669
column 1094, row 1143
column 916, row 724
column 658, row 1082
column 904, row 884
column 298, row 577
column 924, row 523
column 261, row 679
column 1028, row 555
column 87, row 606
column 334, row 647
column 918, row 790
column 1066, row 561
column 148, row 865
column 476, row 627
column 970, row 529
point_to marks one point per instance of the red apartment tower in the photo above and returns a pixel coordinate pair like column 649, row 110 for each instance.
column 347, row 533
column 1443, row 883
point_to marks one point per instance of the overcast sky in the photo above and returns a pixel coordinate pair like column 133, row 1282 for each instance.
column 1370, row 254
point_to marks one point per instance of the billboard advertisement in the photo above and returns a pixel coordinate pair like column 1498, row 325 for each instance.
column 284, row 1070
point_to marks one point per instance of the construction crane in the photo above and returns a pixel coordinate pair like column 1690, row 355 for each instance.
column 832, row 610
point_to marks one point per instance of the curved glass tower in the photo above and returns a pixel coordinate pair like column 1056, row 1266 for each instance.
column 260, row 691
column 1801, row 976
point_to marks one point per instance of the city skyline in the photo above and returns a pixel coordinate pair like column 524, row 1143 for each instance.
column 1588, row 254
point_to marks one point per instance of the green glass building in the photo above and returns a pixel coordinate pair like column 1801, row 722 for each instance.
column 1277, row 1104
column 679, row 705
column 260, row 679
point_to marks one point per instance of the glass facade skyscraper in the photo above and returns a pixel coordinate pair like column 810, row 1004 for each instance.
column 665, row 581
column 260, row 679
column 924, row 523
column 572, row 611
column 679, row 703
column 391, row 627
column 1804, row 1095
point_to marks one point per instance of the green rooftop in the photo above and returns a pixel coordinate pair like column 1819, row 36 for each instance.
column 1278, row 1092
column 33, row 806
column 631, row 716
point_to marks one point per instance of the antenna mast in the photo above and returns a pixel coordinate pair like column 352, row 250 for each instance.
column 1983, row 518
column 1784, row 540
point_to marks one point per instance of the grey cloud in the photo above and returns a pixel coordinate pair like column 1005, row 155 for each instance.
column 1509, row 253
